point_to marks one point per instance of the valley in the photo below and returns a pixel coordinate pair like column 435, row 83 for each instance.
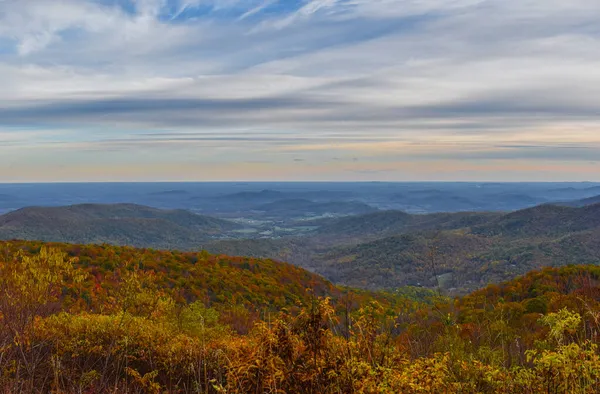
column 346, row 241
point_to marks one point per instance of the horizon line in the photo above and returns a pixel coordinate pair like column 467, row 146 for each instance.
column 275, row 181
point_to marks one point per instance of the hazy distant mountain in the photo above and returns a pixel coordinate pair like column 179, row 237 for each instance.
column 235, row 199
column 593, row 189
column 268, row 195
column 426, row 192
column 583, row 202
column 303, row 207
column 171, row 193
column 572, row 193
column 250, row 196
column 433, row 201
column 7, row 197
column 564, row 190
column 507, row 201
column 120, row 224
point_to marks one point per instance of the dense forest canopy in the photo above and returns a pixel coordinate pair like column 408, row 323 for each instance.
column 112, row 319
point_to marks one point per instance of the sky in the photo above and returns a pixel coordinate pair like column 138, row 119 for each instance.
column 291, row 90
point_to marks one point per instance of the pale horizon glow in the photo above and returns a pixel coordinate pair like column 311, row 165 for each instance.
column 299, row 90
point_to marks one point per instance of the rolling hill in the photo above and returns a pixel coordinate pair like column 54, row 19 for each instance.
column 395, row 222
column 119, row 224
column 218, row 280
column 583, row 202
column 461, row 251
column 543, row 220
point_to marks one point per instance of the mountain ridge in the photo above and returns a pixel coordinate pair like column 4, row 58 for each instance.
column 120, row 224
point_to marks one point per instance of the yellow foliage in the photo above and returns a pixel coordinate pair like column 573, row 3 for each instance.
column 137, row 337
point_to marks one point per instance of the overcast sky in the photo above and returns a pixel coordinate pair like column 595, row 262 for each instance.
column 119, row 90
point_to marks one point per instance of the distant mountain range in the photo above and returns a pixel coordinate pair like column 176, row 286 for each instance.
column 272, row 195
column 303, row 207
column 253, row 197
column 7, row 198
column 583, row 202
column 175, row 193
column 239, row 200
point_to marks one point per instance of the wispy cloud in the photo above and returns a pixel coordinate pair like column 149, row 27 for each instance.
column 460, row 81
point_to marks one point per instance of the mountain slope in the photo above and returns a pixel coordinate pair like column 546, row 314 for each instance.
column 395, row 222
column 217, row 280
column 120, row 224
column 543, row 220
column 469, row 257
column 583, row 202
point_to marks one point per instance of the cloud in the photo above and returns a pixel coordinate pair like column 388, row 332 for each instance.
column 462, row 80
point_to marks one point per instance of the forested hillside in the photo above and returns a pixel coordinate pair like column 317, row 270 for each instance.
column 117, row 224
column 460, row 251
column 92, row 319
column 216, row 280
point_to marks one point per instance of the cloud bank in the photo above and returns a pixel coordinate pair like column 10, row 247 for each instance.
column 300, row 89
